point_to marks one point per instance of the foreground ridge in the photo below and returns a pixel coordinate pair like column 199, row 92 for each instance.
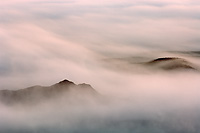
column 38, row 93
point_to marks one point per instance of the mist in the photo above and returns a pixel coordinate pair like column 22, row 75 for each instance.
column 107, row 45
column 130, row 102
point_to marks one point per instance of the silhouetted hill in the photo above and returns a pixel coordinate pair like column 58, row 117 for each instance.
column 171, row 63
column 36, row 94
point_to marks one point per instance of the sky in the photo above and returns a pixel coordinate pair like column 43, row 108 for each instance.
column 44, row 41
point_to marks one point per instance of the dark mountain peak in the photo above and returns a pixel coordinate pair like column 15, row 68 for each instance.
column 163, row 59
column 171, row 63
column 65, row 82
column 85, row 85
column 37, row 94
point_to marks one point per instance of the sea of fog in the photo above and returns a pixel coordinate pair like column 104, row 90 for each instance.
column 102, row 43
column 131, row 102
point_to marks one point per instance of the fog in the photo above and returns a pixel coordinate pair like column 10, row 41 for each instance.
column 106, row 45
column 130, row 102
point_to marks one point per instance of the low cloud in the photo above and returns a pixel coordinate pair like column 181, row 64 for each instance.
column 43, row 42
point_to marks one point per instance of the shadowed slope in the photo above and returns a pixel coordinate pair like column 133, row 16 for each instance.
column 36, row 94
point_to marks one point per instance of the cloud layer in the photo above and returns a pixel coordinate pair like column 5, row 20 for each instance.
column 58, row 38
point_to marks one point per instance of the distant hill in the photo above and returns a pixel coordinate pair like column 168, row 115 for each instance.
column 143, row 64
column 171, row 63
column 35, row 94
